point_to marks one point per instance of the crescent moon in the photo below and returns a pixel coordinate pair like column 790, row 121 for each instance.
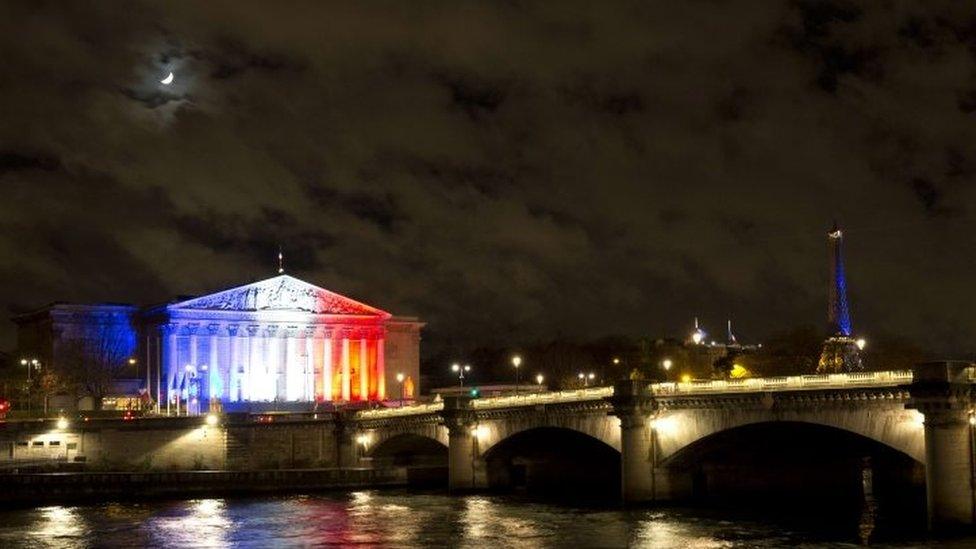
column 168, row 80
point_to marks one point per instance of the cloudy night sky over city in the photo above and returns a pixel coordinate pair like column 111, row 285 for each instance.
column 507, row 171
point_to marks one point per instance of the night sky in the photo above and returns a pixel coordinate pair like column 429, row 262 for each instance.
column 511, row 171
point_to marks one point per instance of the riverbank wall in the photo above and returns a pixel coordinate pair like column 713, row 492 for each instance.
column 31, row 489
column 235, row 443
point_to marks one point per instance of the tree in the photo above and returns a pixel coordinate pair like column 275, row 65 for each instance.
column 94, row 361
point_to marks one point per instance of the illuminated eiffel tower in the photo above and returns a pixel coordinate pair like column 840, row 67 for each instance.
column 840, row 352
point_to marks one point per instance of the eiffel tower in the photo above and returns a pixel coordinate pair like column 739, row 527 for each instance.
column 840, row 352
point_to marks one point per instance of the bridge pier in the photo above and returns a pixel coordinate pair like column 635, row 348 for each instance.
column 633, row 404
column 343, row 431
column 941, row 391
column 462, row 452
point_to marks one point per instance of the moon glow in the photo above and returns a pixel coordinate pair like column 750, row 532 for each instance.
column 168, row 80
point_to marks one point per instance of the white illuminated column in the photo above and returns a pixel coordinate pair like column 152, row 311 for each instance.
column 346, row 381
column 273, row 367
column 327, row 366
column 309, row 363
column 232, row 371
column 292, row 376
column 251, row 342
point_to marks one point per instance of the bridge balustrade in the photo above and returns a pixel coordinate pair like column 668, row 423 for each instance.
column 781, row 383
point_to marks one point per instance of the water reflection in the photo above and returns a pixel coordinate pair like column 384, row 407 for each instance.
column 396, row 519
column 57, row 527
column 197, row 523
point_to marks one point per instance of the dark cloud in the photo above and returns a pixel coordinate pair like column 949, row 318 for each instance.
column 508, row 171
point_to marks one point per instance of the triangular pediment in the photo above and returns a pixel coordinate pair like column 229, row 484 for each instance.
column 281, row 293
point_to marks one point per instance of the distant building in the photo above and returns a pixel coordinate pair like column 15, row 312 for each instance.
column 280, row 340
column 695, row 356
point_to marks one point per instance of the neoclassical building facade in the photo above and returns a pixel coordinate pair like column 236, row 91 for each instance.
column 279, row 340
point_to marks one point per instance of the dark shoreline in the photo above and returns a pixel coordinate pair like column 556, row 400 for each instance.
column 34, row 489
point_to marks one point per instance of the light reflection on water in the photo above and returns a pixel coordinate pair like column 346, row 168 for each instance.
column 391, row 518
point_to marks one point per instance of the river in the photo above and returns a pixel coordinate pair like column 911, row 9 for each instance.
column 393, row 518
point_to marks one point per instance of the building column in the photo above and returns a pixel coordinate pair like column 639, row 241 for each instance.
column 272, row 363
column 308, row 367
column 942, row 392
column 363, row 369
column 633, row 404
column 327, row 366
column 380, row 369
column 250, row 366
column 346, row 381
column 213, row 391
column 234, row 349
column 462, row 452
column 291, row 364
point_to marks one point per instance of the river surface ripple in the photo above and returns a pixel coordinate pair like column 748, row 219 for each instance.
column 387, row 518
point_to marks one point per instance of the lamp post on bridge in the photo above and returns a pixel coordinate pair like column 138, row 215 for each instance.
column 516, row 361
column 586, row 378
column 399, row 378
column 459, row 370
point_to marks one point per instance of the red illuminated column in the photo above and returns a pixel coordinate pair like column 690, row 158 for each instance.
column 380, row 370
column 363, row 369
column 346, row 381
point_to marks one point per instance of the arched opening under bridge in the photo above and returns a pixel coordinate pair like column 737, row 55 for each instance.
column 802, row 471
column 554, row 461
column 424, row 458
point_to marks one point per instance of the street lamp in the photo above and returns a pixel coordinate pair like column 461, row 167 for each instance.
column 31, row 364
column 539, row 379
column 516, row 361
column 399, row 379
column 586, row 378
column 457, row 368
column 667, row 364
column 616, row 361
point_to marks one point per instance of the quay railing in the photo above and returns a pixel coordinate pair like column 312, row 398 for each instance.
column 746, row 385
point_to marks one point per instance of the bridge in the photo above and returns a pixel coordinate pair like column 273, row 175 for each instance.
column 665, row 441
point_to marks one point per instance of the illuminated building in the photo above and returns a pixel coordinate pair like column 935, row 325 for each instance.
column 280, row 340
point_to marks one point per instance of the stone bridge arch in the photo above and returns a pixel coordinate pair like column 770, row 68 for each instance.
column 591, row 419
column 373, row 436
column 886, row 422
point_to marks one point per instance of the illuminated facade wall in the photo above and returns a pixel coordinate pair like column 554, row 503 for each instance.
column 50, row 334
column 279, row 340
